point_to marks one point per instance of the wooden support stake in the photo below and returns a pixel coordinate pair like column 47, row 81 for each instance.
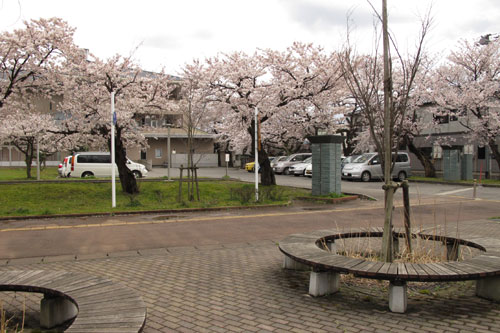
column 387, row 252
column 180, row 185
column 406, row 200
column 196, row 180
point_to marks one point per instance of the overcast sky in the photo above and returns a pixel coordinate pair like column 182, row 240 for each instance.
column 171, row 33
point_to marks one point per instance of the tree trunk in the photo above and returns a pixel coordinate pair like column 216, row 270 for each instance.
column 266, row 172
column 385, row 155
column 495, row 151
column 28, row 157
column 430, row 170
column 28, row 160
column 127, row 178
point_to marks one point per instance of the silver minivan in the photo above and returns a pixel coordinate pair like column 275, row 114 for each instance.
column 98, row 164
column 367, row 167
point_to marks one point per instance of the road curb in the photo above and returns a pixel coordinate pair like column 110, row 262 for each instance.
column 451, row 183
column 330, row 200
column 140, row 212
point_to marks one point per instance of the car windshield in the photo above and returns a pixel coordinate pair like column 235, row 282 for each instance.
column 308, row 160
column 351, row 159
column 363, row 158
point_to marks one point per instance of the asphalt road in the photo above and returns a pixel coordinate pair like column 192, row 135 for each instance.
column 418, row 191
column 110, row 235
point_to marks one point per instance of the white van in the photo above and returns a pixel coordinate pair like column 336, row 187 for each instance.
column 367, row 167
column 98, row 164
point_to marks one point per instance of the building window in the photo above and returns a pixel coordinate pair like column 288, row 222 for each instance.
column 154, row 121
column 158, row 152
column 143, row 154
column 446, row 116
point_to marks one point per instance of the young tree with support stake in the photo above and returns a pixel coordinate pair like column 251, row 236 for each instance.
column 194, row 106
column 385, row 114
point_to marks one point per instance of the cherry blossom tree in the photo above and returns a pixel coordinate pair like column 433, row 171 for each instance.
column 31, row 59
column 26, row 130
column 87, row 98
column 29, row 56
column 467, row 87
column 286, row 87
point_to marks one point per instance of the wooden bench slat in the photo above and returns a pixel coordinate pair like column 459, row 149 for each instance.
column 444, row 271
column 472, row 271
column 412, row 272
column 103, row 305
column 402, row 272
column 385, row 268
column 370, row 269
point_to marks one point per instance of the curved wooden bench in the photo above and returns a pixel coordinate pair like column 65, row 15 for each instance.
column 96, row 304
column 307, row 251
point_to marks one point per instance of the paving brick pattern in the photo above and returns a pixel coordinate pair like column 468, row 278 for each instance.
column 242, row 288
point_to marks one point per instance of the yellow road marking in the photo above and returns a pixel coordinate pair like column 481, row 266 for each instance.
column 211, row 218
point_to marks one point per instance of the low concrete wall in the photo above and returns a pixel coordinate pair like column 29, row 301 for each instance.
column 200, row 160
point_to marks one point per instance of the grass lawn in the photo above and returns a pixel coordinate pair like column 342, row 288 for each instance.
column 483, row 181
column 67, row 198
column 19, row 173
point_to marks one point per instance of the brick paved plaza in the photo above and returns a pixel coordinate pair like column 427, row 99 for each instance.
column 242, row 288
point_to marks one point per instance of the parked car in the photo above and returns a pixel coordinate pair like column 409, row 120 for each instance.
column 250, row 166
column 283, row 167
column 67, row 166
column 347, row 160
column 367, row 167
column 61, row 168
column 299, row 169
column 308, row 172
column 277, row 159
column 98, row 164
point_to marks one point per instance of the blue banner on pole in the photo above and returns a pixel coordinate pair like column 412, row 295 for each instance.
column 114, row 118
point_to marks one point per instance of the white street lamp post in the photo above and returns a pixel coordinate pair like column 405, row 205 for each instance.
column 113, row 181
column 169, row 154
column 256, row 165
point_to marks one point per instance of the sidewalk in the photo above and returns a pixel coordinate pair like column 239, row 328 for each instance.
column 242, row 288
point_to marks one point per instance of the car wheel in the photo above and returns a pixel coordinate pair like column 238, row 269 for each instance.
column 365, row 176
column 137, row 174
column 401, row 176
column 87, row 174
column 286, row 171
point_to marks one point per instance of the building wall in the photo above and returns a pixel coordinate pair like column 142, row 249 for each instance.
column 157, row 154
column 16, row 158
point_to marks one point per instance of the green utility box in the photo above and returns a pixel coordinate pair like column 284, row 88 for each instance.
column 451, row 164
column 457, row 165
column 467, row 165
column 326, row 158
